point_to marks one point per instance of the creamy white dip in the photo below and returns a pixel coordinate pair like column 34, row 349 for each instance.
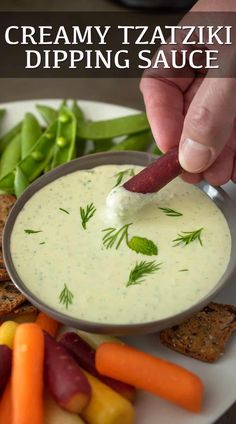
column 65, row 254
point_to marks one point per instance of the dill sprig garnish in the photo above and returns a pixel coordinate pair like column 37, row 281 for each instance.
column 140, row 270
column 32, row 231
column 86, row 214
column 187, row 237
column 64, row 210
column 113, row 236
column 66, row 297
column 120, row 175
column 170, row 212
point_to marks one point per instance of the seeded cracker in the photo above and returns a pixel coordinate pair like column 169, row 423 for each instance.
column 6, row 203
column 205, row 334
column 10, row 298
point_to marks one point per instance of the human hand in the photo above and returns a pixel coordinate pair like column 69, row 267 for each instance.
column 199, row 114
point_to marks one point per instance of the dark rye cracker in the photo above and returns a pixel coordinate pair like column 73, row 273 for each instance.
column 24, row 313
column 10, row 298
column 205, row 334
column 6, row 203
column 3, row 272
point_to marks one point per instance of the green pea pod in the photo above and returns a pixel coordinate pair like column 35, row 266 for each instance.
column 140, row 141
column 48, row 114
column 79, row 114
column 31, row 131
column 113, row 127
column 10, row 156
column 102, row 145
column 66, row 137
column 80, row 144
column 62, row 105
column 7, row 183
column 5, row 140
column 2, row 113
column 34, row 163
column 20, row 182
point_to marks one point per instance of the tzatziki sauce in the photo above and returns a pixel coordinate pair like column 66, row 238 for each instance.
column 80, row 258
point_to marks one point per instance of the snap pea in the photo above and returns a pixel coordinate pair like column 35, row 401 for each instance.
column 7, row 184
column 2, row 113
column 102, row 145
column 80, row 144
column 79, row 114
column 34, row 163
column 20, row 182
column 140, row 141
column 10, row 156
column 113, row 127
column 64, row 150
column 31, row 131
column 48, row 114
column 5, row 140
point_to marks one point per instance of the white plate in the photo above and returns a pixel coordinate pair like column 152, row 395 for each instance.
column 220, row 378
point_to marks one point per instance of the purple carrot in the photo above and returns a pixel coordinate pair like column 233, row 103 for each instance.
column 157, row 175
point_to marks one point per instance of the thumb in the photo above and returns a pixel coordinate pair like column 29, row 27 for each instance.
column 208, row 124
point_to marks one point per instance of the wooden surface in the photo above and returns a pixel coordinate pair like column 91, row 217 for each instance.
column 120, row 91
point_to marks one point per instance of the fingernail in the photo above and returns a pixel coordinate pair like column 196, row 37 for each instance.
column 193, row 156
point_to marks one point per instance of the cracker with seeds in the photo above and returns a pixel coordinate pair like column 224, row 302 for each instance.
column 3, row 272
column 23, row 313
column 10, row 298
column 205, row 334
column 6, row 203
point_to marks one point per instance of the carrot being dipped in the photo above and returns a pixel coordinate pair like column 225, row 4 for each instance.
column 84, row 354
column 64, row 379
column 138, row 191
column 155, row 176
column 152, row 374
column 27, row 375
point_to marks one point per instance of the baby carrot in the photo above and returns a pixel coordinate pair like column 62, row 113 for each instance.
column 47, row 323
column 147, row 372
column 27, row 375
column 6, row 406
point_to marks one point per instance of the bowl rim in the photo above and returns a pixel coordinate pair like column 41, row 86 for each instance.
column 217, row 195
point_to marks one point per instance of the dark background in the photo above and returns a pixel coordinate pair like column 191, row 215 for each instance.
column 114, row 90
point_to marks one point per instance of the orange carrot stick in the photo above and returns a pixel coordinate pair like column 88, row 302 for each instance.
column 27, row 375
column 6, row 406
column 147, row 372
column 47, row 323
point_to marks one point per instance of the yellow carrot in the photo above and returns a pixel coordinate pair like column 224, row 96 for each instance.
column 27, row 375
column 56, row 415
column 106, row 406
column 7, row 333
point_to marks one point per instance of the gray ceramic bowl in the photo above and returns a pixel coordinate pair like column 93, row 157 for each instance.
column 218, row 196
